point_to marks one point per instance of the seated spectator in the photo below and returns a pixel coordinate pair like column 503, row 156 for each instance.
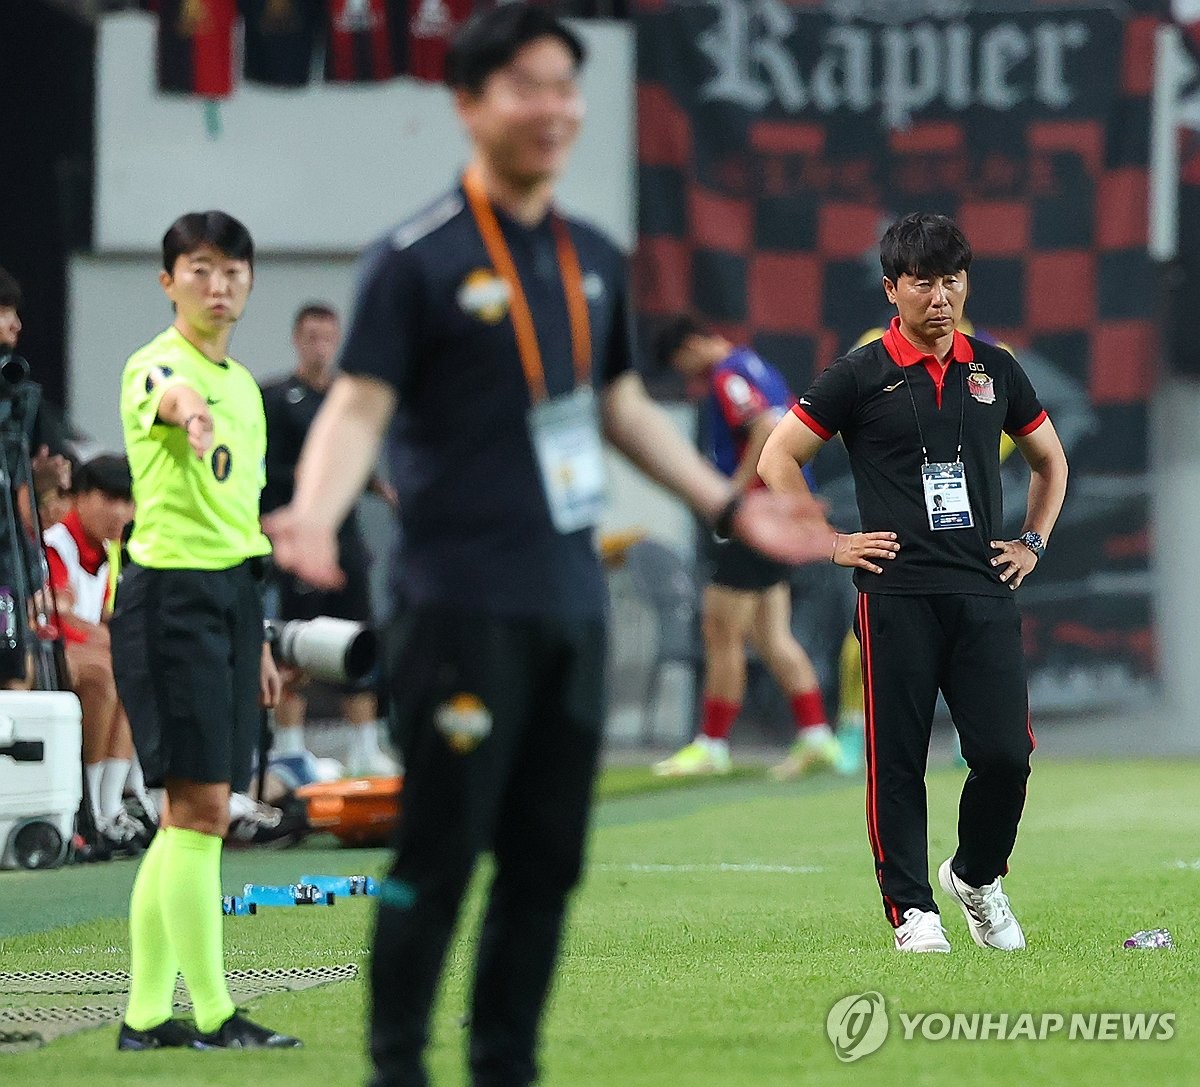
column 77, row 554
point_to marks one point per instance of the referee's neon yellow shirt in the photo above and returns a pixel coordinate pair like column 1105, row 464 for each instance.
column 192, row 513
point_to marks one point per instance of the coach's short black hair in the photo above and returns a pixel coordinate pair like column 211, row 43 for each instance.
column 322, row 310
column 107, row 473
column 216, row 228
column 922, row 243
column 491, row 38
column 673, row 335
column 10, row 290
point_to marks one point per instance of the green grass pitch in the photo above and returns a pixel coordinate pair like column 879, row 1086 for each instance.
column 717, row 925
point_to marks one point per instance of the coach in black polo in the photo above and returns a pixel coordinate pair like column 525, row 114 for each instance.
column 492, row 333
column 921, row 412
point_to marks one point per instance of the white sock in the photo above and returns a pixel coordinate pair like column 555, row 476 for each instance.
column 713, row 744
column 136, row 782
column 94, row 771
column 112, row 786
column 288, row 741
column 151, row 800
column 364, row 743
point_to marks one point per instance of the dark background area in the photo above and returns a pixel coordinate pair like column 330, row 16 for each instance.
column 47, row 76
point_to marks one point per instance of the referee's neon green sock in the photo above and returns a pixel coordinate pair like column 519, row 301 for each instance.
column 152, row 963
column 190, row 888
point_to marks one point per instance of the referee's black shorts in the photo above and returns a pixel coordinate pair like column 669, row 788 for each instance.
column 736, row 566
column 187, row 649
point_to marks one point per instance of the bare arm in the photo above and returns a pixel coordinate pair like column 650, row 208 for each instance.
column 1047, row 461
column 747, row 469
column 338, row 456
column 790, row 529
column 641, row 430
column 792, row 445
column 185, row 408
column 341, row 448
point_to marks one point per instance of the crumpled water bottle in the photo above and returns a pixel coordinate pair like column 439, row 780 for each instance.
column 1151, row 938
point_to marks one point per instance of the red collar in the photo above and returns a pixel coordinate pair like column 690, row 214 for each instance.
column 905, row 353
column 90, row 557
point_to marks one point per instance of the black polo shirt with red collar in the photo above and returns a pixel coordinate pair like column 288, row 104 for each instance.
column 865, row 397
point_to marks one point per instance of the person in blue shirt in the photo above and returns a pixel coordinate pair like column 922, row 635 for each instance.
column 748, row 597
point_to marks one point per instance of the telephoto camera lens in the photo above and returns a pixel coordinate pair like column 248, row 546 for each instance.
column 330, row 650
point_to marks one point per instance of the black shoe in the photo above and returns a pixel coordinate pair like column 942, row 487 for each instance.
column 237, row 1032
column 173, row 1034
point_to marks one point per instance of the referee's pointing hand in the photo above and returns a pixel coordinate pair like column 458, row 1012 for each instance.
column 199, row 429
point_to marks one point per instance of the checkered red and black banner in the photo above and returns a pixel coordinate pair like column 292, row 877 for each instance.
column 777, row 139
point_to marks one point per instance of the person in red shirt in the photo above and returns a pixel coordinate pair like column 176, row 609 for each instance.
column 77, row 555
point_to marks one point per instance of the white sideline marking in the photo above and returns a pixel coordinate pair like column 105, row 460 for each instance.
column 783, row 869
column 1187, row 866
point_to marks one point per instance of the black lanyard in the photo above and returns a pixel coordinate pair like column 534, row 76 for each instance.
column 962, row 410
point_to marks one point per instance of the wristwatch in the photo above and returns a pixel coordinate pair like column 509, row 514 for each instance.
column 1035, row 543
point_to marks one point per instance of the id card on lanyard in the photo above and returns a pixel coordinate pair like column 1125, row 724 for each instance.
column 564, row 430
column 944, row 483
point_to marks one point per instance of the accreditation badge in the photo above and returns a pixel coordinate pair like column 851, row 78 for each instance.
column 946, row 499
column 570, row 454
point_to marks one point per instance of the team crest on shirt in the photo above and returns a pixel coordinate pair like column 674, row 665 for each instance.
column 464, row 722
column 222, row 462
column 981, row 387
column 485, row 296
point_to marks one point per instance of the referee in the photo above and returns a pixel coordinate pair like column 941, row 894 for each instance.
column 921, row 412
column 187, row 634
column 497, row 332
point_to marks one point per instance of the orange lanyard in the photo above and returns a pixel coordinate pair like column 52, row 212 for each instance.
column 522, row 319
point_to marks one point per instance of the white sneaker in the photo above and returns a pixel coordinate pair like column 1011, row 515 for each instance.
column 122, row 831
column 987, row 910
column 703, row 756
column 922, row 931
column 377, row 765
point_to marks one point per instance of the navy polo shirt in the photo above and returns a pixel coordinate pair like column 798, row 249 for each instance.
column 432, row 320
column 864, row 396
column 290, row 407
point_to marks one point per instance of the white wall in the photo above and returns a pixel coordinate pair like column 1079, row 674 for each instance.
column 116, row 305
column 323, row 168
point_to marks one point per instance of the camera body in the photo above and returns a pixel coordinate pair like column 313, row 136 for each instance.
column 329, row 650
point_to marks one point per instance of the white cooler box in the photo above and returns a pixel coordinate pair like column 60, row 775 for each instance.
column 41, row 776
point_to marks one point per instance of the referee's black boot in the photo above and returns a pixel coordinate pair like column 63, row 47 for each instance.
column 238, row 1032
column 172, row 1034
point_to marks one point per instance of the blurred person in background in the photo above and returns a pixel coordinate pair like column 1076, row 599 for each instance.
column 748, row 598
column 77, row 554
column 44, row 424
column 291, row 404
column 491, row 340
